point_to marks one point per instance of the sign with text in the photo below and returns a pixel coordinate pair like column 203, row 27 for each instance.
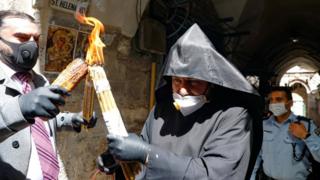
column 70, row 5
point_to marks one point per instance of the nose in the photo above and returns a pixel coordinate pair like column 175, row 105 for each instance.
column 34, row 38
column 183, row 91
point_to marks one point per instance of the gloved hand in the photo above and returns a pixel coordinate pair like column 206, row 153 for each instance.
column 42, row 102
column 106, row 163
column 77, row 120
column 131, row 148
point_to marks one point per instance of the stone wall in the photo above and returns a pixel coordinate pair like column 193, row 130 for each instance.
column 314, row 107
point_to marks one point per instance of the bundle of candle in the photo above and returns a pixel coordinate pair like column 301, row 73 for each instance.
column 87, row 103
column 72, row 74
column 110, row 112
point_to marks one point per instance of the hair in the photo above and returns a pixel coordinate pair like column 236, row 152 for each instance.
column 15, row 14
column 285, row 89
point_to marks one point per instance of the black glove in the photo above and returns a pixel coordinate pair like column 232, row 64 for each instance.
column 42, row 102
column 92, row 122
column 106, row 163
column 78, row 120
column 131, row 148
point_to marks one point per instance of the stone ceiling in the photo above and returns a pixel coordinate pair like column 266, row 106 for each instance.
column 263, row 37
column 276, row 29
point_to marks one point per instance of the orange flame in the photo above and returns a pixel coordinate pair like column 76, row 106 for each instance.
column 95, row 49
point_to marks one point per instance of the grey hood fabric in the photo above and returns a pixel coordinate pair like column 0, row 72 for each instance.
column 194, row 56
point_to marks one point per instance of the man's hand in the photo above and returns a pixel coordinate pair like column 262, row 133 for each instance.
column 78, row 120
column 131, row 148
column 106, row 163
column 42, row 102
column 298, row 130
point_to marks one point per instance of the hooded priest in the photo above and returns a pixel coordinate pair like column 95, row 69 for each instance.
column 201, row 126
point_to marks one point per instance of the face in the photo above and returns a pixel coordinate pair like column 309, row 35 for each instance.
column 19, row 43
column 188, row 86
column 18, row 30
column 280, row 97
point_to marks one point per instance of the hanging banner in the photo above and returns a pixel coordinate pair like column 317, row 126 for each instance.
column 70, row 5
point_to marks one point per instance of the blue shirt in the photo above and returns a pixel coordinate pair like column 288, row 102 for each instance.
column 276, row 154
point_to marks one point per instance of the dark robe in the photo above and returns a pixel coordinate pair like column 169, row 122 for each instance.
column 212, row 143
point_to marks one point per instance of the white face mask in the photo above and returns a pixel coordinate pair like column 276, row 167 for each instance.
column 188, row 104
column 278, row 109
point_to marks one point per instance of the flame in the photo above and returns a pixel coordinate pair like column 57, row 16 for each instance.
column 95, row 49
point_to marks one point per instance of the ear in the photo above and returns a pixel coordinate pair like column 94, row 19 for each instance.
column 209, row 92
column 290, row 103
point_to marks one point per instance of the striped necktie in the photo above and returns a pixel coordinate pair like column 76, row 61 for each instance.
column 47, row 156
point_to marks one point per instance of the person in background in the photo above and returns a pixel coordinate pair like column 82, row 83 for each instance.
column 202, row 126
column 289, row 141
column 29, row 107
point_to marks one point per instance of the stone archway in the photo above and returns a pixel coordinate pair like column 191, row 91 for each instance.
column 299, row 105
column 300, row 89
column 289, row 62
column 300, row 84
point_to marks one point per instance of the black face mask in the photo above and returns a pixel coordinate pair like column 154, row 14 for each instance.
column 23, row 57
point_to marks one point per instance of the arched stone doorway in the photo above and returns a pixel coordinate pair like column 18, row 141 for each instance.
column 300, row 73
column 299, row 105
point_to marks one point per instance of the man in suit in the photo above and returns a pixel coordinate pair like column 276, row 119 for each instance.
column 29, row 107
